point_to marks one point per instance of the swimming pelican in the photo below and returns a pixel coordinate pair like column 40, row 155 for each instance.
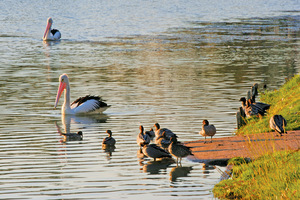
column 49, row 34
column 207, row 130
column 278, row 123
column 83, row 105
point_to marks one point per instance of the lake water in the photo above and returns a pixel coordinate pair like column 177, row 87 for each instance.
column 172, row 62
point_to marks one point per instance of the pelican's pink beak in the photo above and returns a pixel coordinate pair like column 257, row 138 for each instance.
column 61, row 88
column 47, row 30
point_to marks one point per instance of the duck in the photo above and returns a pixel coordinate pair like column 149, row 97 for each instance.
column 151, row 133
column 72, row 136
column 154, row 151
column 109, row 141
column 51, row 34
column 159, row 131
column 253, row 109
column 142, row 138
column 207, row 130
column 278, row 123
column 179, row 150
column 163, row 141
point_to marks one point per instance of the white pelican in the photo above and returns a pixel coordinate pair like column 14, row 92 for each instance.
column 83, row 105
column 49, row 34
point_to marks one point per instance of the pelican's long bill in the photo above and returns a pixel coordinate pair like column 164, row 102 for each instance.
column 48, row 27
column 61, row 88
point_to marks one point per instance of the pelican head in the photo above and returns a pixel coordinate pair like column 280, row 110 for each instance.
column 63, row 84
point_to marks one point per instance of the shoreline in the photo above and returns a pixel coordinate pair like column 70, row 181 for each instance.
column 247, row 146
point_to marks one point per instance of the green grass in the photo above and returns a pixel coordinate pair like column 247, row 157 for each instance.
column 285, row 101
column 272, row 176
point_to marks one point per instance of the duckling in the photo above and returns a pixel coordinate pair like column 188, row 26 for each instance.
column 72, row 136
column 278, row 123
column 142, row 138
column 207, row 130
column 159, row 131
column 178, row 150
column 109, row 141
column 163, row 141
column 154, row 151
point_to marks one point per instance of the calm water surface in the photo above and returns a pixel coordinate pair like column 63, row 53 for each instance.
column 176, row 63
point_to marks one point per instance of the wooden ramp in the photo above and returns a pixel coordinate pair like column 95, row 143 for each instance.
column 222, row 149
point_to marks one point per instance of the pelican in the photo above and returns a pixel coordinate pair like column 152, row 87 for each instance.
column 83, row 105
column 207, row 130
column 49, row 34
column 278, row 123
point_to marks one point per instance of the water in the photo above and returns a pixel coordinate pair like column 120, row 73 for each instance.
column 172, row 62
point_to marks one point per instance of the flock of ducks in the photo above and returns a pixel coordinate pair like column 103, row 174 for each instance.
column 252, row 108
column 165, row 144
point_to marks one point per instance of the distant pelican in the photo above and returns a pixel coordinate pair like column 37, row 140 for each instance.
column 51, row 34
column 207, row 130
column 83, row 105
column 278, row 123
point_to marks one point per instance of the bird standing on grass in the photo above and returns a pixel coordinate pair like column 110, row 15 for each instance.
column 278, row 123
column 207, row 130
column 179, row 150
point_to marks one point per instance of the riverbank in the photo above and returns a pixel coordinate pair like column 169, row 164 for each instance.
column 273, row 171
column 247, row 146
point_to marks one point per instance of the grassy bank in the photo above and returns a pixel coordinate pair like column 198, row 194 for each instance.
column 272, row 175
column 285, row 101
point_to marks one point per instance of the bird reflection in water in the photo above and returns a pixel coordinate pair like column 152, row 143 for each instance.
column 67, row 120
column 178, row 172
column 108, row 150
column 156, row 167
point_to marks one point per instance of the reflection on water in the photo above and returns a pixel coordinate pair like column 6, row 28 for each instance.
column 178, row 172
column 193, row 65
column 156, row 167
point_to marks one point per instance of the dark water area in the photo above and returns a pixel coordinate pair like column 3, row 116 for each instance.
column 173, row 63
